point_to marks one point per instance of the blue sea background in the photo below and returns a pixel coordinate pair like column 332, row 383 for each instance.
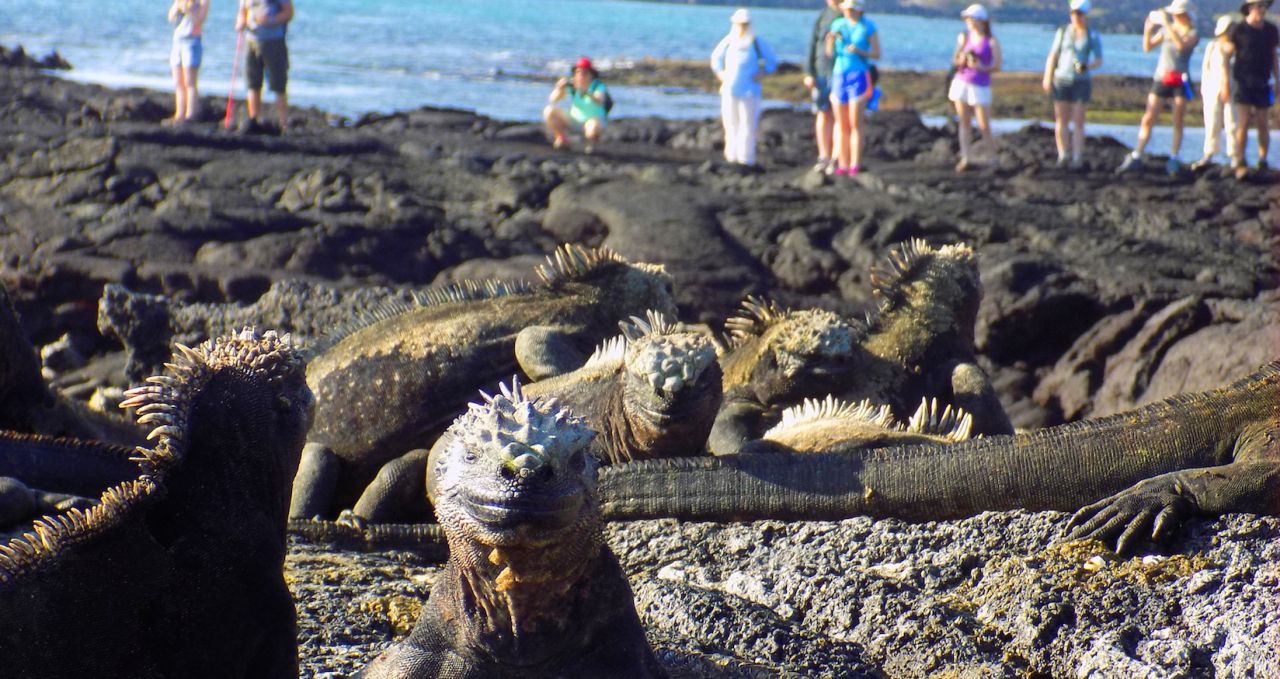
column 385, row 55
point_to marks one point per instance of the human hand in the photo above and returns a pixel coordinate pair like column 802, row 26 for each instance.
column 1224, row 94
column 809, row 82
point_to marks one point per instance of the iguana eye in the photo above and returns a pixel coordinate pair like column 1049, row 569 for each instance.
column 469, row 456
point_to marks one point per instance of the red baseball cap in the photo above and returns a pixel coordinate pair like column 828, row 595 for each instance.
column 584, row 63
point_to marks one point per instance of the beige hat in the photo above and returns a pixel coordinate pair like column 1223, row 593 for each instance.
column 1179, row 7
column 853, row 4
column 740, row 16
column 1224, row 22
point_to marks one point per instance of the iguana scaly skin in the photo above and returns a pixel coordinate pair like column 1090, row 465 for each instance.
column 177, row 571
column 391, row 386
column 834, row 426
column 1131, row 476
column 918, row 344
column 529, row 590
column 649, row 392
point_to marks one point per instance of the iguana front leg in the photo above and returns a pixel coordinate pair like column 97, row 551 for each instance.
column 543, row 351
column 314, row 483
column 399, row 487
column 971, row 391
column 1154, row 508
column 736, row 424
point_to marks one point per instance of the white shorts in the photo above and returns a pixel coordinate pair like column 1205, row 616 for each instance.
column 973, row 95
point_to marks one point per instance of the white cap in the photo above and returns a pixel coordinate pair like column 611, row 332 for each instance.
column 853, row 4
column 740, row 16
column 1179, row 7
column 1082, row 6
column 976, row 11
column 1224, row 22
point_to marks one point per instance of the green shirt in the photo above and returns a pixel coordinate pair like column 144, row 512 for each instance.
column 584, row 106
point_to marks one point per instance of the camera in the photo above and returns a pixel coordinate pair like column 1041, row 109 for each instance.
column 1081, row 68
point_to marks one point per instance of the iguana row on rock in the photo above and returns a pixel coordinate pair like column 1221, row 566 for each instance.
column 918, row 344
column 530, row 589
column 391, row 385
column 177, row 571
column 1131, row 476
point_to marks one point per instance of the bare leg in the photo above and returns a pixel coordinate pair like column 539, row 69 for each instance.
column 1061, row 125
column 253, row 100
column 1077, row 134
column 282, row 110
column 557, row 124
column 1149, row 118
column 1264, row 133
column 824, row 130
column 855, row 130
column 179, row 93
column 193, row 93
column 591, row 130
column 964, row 112
column 843, row 154
column 1179, row 112
column 1244, row 113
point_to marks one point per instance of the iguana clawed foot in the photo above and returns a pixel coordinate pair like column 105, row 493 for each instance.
column 1151, row 509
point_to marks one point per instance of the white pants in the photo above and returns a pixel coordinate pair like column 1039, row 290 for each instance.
column 741, row 116
column 1216, row 116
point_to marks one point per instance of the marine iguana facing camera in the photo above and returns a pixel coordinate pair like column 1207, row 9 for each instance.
column 530, row 589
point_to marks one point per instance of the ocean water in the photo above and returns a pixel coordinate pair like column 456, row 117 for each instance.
column 384, row 55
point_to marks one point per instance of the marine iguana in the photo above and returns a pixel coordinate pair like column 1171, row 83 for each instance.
column 918, row 344
column 650, row 392
column 177, row 571
column 530, row 589
column 387, row 387
column 1128, row 477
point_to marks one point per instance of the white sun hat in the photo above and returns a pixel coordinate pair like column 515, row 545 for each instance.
column 740, row 16
column 976, row 11
column 1081, row 6
column 1224, row 22
column 1179, row 7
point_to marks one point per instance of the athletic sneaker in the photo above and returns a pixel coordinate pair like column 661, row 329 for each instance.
column 1131, row 163
column 823, row 166
column 1240, row 172
column 1062, row 161
column 1173, row 167
column 1261, row 164
column 962, row 165
column 840, row 171
column 1201, row 164
column 853, row 171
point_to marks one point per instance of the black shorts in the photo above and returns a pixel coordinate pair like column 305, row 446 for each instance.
column 1164, row 91
column 274, row 56
column 1251, row 94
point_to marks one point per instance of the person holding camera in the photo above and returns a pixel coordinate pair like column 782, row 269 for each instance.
column 1254, row 72
column 1076, row 51
column 589, row 106
column 185, row 57
column 976, row 57
column 1171, row 28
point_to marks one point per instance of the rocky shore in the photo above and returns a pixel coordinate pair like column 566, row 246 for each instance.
column 1100, row 294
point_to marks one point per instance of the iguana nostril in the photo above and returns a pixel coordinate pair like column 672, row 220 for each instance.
column 527, row 464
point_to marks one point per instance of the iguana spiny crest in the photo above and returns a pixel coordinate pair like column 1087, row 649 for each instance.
column 829, row 424
column 165, row 403
column 765, row 336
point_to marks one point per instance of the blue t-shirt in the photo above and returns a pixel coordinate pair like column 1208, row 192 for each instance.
column 272, row 8
column 856, row 34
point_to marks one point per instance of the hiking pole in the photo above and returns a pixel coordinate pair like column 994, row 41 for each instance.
column 226, row 120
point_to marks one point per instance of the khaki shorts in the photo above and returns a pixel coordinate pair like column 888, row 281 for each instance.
column 273, row 55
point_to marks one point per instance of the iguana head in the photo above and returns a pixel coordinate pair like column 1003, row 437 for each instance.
column 624, row 287
column 512, row 473
column 927, row 297
column 779, row 347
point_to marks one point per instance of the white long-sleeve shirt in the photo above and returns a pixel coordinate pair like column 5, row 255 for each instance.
column 1211, row 70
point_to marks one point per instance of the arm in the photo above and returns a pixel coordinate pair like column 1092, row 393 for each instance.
column 873, row 53
column 811, row 58
column 1051, row 63
column 770, row 57
column 242, row 17
column 830, row 45
column 202, row 13
column 597, row 91
column 957, row 59
column 717, row 59
column 285, row 15
column 1096, row 43
column 1227, row 49
column 174, row 10
column 557, row 92
column 1152, row 34
column 1275, row 72
column 996, row 59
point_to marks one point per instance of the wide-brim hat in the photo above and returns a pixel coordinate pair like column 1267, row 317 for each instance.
column 1082, row 6
column 1244, row 6
column 853, row 4
column 1224, row 22
column 740, row 16
column 976, row 11
column 1179, row 7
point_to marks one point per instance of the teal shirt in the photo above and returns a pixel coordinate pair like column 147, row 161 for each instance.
column 584, row 107
column 858, row 35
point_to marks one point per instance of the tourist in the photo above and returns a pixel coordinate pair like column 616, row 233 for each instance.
column 976, row 57
column 1076, row 52
column 817, row 78
column 1171, row 28
column 185, row 57
column 854, row 43
column 267, row 22
column 1254, row 71
column 739, row 61
column 589, row 106
column 1218, row 115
